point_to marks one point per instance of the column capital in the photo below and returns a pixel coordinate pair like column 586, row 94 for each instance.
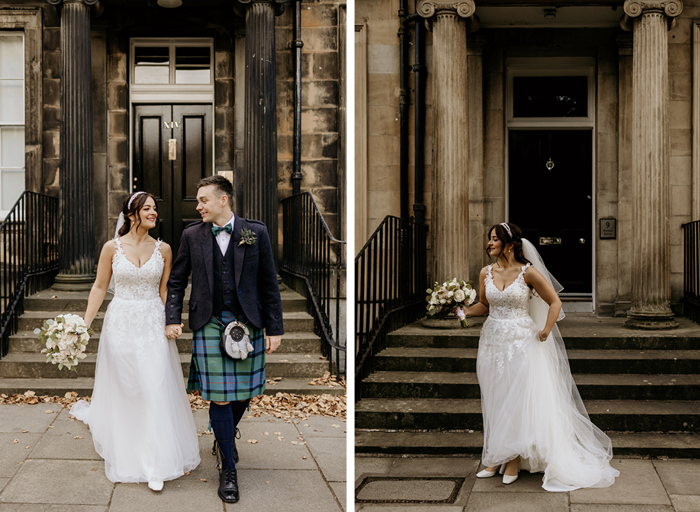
column 670, row 8
column 429, row 8
column 240, row 6
column 89, row 3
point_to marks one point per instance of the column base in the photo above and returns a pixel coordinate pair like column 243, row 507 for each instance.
column 74, row 282
column 650, row 321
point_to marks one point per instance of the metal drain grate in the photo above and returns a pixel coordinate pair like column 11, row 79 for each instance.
column 378, row 489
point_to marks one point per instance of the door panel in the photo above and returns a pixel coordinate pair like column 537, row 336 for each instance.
column 173, row 182
column 555, row 205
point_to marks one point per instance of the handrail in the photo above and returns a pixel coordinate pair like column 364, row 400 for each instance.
column 29, row 256
column 691, row 272
column 313, row 254
column 390, row 284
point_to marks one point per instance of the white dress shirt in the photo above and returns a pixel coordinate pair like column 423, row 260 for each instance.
column 223, row 238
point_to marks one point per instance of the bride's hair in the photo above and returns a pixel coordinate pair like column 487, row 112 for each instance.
column 137, row 200
column 514, row 236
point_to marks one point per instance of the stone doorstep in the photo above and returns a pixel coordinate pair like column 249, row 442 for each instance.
column 464, row 442
column 293, row 322
column 34, row 366
column 452, row 414
column 76, row 302
column 591, row 386
column 84, row 386
column 296, row 342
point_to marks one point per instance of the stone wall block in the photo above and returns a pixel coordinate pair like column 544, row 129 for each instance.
column 329, row 143
column 52, row 64
column 320, row 39
column 326, row 66
column 52, row 92
column 679, row 58
column 118, row 152
column 319, row 15
column 679, row 113
column 680, row 86
column 383, row 149
column 116, row 67
column 679, row 170
column 51, row 39
column 117, row 96
column 681, row 142
column 383, row 121
column 383, row 89
column 319, row 173
column 320, row 119
column 383, row 59
column 680, row 205
column 285, row 93
column 223, row 65
column 51, row 175
column 384, row 177
column 118, row 178
column 285, row 145
column 52, row 144
column 118, row 123
column 319, row 93
column 223, row 93
column 283, row 39
column 373, row 10
column 52, row 118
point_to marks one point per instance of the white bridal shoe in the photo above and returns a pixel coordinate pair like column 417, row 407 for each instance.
column 155, row 485
column 484, row 473
column 509, row 479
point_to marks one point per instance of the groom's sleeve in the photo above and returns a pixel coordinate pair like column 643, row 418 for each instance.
column 177, row 283
column 268, row 288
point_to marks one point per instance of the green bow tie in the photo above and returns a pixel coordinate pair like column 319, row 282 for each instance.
column 216, row 229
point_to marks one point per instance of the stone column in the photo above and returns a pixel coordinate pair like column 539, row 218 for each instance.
column 260, row 199
column 450, row 198
column 77, row 231
column 651, row 288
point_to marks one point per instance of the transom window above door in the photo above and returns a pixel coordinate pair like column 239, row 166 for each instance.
column 182, row 66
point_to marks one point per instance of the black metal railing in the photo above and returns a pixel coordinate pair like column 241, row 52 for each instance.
column 691, row 270
column 313, row 254
column 390, row 284
column 29, row 253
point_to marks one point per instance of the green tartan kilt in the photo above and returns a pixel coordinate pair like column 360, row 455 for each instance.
column 222, row 379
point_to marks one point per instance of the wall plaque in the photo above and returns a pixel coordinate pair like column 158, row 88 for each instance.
column 608, row 228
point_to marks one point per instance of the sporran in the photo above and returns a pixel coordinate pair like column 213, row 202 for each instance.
column 235, row 340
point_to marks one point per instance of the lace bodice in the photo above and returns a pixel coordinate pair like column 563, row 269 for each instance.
column 510, row 303
column 137, row 283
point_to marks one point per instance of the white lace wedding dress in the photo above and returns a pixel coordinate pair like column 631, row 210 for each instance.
column 140, row 416
column 530, row 404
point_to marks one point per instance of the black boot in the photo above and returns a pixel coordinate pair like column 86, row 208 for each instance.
column 228, row 485
column 235, row 451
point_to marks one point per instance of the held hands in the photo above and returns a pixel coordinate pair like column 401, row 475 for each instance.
column 272, row 343
column 173, row 331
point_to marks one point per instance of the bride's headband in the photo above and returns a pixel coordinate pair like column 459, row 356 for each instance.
column 507, row 228
column 128, row 206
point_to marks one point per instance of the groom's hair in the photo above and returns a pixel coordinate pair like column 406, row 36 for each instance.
column 223, row 185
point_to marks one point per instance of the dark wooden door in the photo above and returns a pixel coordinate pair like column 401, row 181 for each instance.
column 550, row 199
column 172, row 181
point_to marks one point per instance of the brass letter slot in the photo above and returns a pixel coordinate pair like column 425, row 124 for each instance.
column 550, row 240
column 172, row 149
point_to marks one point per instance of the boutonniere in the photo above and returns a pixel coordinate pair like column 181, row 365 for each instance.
column 247, row 237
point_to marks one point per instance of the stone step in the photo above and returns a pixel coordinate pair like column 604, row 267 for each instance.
column 580, row 361
column 591, row 386
column 579, row 332
column 449, row 443
column 294, row 343
column 84, row 385
column 293, row 321
column 76, row 302
column 34, row 366
column 430, row 414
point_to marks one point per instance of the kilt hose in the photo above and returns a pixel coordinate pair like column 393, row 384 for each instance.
column 222, row 379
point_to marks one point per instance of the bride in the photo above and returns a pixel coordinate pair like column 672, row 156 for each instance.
column 140, row 416
column 531, row 407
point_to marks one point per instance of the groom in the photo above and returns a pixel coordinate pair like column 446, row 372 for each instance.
column 233, row 278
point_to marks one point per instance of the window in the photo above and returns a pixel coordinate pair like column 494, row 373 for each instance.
column 11, row 119
column 179, row 62
column 550, row 96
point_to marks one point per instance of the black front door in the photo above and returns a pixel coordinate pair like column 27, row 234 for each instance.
column 550, row 199
column 172, row 152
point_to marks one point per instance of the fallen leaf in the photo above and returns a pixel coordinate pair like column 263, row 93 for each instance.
column 293, row 442
column 253, row 441
column 266, row 433
column 27, row 447
column 15, row 441
column 267, row 482
column 304, row 457
column 280, row 438
column 78, row 437
column 50, row 426
column 93, row 469
column 277, row 433
column 25, row 431
column 203, row 479
column 186, row 474
column 48, row 412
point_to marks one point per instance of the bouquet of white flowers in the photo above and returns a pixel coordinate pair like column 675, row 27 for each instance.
column 452, row 294
column 65, row 338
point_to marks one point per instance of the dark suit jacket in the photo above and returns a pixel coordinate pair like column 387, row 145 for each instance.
column 253, row 267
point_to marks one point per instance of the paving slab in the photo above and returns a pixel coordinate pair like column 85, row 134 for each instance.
column 329, row 453
column 621, row 508
column 410, row 508
column 517, row 502
column 638, row 483
column 290, row 491
column 60, row 442
column 526, row 482
column 322, row 426
column 65, row 482
column 365, row 466
column 45, row 507
column 408, row 489
column 434, row 466
column 11, row 453
column 684, row 503
column 185, row 493
column 341, row 492
column 3, row 483
column 679, row 476
column 16, row 418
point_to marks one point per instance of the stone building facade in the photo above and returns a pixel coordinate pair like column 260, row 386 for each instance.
column 164, row 80
column 575, row 122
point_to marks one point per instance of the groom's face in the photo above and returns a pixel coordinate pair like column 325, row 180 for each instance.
column 210, row 203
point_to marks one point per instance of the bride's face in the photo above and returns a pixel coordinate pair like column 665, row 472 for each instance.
column 147, row 215
column 494, row 245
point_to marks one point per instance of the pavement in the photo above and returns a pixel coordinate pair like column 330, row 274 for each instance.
column 448, row 484
column 53, row 467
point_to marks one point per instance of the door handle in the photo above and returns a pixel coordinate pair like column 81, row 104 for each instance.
column 582, row 241
column 172, row 149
